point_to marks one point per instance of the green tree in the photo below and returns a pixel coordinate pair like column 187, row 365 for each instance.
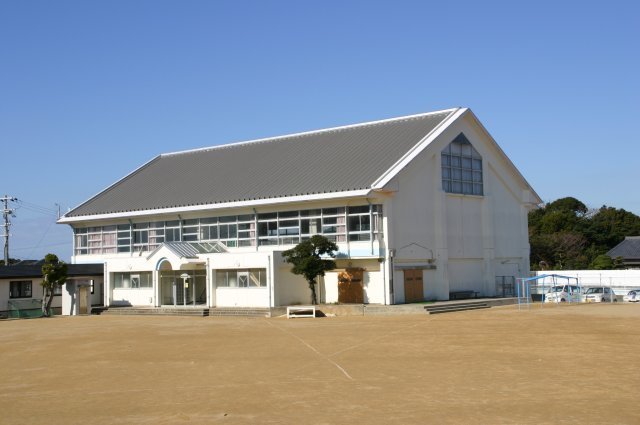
column 601, row 262
column 307, row 260
column 565, row 234
column 54, row 275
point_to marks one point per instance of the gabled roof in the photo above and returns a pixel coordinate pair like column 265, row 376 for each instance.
column 628, row 248
column 336, row 160
column 34, row 270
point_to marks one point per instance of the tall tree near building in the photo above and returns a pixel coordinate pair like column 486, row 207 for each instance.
column 565, row 234
column 54, row 275
column 307, row 260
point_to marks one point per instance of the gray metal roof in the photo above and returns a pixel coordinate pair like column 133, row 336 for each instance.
column 191, row 249
column 34, row 269
column 324, row 161
column 628, row 248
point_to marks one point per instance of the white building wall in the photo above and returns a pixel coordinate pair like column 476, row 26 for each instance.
column 473, row 238
column 37, row 292
column 292, row 289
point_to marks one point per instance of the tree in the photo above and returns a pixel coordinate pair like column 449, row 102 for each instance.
column 565, row 234
column 602, row 262
column 307, row 260
column 54, row 274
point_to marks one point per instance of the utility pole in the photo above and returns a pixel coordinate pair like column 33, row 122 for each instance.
column 6, row 213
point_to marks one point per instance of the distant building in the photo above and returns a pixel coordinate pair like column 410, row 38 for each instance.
column 629, row 251
column 20, row 285
column 420, row 206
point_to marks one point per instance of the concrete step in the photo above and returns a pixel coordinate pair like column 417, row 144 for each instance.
column 239, row 312
column 386, row 310
column 160, row 311
column 450, row 308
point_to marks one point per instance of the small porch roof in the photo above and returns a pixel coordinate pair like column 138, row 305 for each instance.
column 190, row 249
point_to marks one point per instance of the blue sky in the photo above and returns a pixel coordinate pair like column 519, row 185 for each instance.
column 90, row 90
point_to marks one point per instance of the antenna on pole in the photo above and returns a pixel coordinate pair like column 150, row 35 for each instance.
column 6, row 213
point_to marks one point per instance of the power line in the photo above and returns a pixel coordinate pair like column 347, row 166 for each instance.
column 38, row 208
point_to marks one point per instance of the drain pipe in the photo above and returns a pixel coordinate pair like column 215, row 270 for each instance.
column 392, row 254
column 269, row 280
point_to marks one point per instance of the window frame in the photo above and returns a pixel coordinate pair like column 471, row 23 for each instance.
column 461, row 168
column 21, row 284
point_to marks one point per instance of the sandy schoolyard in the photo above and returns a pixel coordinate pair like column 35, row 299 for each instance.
column 568, row 364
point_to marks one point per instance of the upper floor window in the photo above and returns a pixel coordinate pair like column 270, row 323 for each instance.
column 461, row 168
column 339, row 224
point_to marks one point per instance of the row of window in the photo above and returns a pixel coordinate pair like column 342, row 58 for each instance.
column 359, row 223
column 24, row 289
column 232, row 278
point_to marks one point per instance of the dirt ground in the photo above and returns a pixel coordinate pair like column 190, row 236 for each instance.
column 574, row 364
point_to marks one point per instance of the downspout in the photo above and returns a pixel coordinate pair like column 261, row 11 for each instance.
column 269, row 281
column 370, row 224
column 392, row 254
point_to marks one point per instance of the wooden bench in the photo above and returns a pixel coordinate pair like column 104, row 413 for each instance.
column 462, row 295
column 301, row 311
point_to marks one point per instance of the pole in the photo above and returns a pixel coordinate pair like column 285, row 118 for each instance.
column 6, row 213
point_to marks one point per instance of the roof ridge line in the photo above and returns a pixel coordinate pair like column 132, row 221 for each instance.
column 310, row 132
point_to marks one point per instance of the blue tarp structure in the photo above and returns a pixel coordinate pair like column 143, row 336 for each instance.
column 524, row 291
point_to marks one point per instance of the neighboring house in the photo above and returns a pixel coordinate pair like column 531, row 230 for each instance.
column 629, row 251
column 420, row 206
column 20, row 284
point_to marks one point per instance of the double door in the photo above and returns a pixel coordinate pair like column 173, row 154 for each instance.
column 413, row 286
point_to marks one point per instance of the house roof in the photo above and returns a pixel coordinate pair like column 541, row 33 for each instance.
column 327, row 161
column 628, row 248
column 34, row 269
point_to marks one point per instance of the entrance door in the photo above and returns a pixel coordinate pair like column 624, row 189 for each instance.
column 350, row 290
column 413, row 288
column 82, row 300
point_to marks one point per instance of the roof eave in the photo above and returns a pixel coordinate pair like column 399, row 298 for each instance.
column 418, row 148
column 217, row 206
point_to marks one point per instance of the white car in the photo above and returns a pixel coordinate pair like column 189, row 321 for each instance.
column 563, row 293
column 633, row 296
column 599, row 294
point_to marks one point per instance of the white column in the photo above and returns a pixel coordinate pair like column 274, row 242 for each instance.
column 440, row 233
column 209, row 284
column 387, row 239
column 488, row 238
column 107, row 286
column 155, row 275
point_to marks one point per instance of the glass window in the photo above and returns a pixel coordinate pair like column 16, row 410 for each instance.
column 461, row 167
column 243, row 278
column 20, row 289
column 134, row 280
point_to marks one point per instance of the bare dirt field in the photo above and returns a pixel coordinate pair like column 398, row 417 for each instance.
column 575, row 364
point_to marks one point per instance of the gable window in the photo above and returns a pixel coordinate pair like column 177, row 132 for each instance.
column 461, row 168
column 20, row 289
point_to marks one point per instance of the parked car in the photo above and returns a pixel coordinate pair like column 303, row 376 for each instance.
column 633, row 296
column 599, row 294
column 563, row 293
